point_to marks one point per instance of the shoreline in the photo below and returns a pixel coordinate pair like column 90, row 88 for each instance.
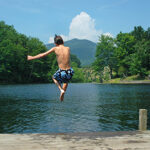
column 113, row 81
column 138, row 82
column 127, row 82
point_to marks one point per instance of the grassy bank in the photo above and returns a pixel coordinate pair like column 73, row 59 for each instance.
column 130, row 79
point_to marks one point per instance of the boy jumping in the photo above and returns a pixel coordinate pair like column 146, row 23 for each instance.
column 65, row 72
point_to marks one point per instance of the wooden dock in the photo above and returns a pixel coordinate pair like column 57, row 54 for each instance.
column 134, row 140
column 121, row 140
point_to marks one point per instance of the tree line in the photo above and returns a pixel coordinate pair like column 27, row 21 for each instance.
column 125, row 55
column 14, row 67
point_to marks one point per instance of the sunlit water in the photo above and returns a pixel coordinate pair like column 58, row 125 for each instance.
column 35, row 108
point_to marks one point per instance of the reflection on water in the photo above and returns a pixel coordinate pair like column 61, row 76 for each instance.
column 87, row 107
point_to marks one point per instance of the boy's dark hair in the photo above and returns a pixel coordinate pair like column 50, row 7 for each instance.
column 58, row 40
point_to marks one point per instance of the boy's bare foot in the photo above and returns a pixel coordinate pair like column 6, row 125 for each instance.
column 62, row 92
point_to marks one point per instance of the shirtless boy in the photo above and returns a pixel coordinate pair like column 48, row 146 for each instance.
column 65, row 72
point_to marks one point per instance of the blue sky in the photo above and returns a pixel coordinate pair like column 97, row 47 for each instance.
column 74, row 18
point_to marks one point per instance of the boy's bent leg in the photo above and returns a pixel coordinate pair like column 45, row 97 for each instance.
column 62, row 92
column 65, row 85
column 58, row 84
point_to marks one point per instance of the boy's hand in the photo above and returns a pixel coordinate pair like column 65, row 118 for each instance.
column 29, row 57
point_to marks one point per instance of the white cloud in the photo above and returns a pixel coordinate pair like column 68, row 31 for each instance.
column 82, row 27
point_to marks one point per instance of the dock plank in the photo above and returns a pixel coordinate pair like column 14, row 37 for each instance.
column 132, row 140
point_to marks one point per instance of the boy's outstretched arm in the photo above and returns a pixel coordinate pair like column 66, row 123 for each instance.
column 41, row 55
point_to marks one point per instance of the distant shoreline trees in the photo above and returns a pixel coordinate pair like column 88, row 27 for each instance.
column 127, row 54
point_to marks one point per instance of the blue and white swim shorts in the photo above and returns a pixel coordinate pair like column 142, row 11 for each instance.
column 63, row 76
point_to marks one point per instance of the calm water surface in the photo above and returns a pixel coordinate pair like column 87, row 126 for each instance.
column 35, row 108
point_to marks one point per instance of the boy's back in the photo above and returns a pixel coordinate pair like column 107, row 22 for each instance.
column 63, row 56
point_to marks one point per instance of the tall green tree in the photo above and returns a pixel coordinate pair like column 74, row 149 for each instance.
column 105, row 54
column 124, row 48
column 138, row 33
column 140, row 61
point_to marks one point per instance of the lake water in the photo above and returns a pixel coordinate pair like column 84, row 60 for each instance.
column 35, row 108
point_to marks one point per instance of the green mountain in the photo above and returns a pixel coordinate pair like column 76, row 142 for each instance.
column 83, row 49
